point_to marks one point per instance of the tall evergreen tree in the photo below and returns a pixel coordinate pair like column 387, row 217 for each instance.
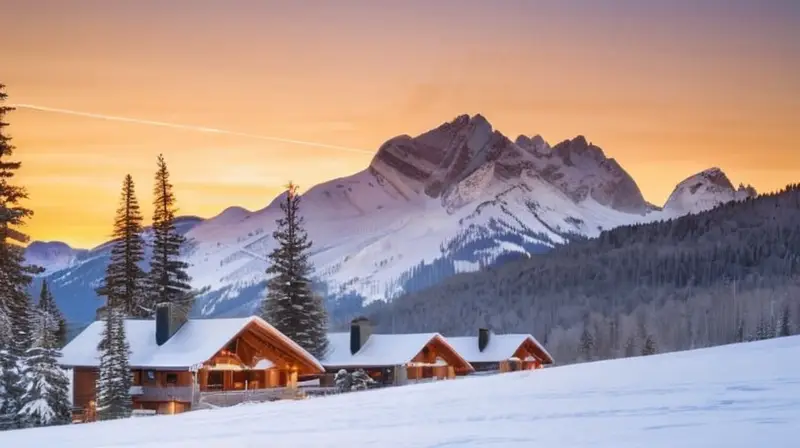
column 15, row 278
column 290, row 306
column 51, row 315
column 124, row 283
column 46, row 398
column 114, row 380
column 168, row 281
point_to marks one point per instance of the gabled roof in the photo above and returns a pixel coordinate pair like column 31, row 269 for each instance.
column 381, row 349
column 197, row 341
column 501, row 347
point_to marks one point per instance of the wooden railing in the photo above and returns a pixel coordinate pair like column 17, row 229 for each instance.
column 234, row 397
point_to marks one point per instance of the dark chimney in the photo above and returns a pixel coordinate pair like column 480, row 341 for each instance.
column 483, row 338
column 169, row 319
column 360, row 331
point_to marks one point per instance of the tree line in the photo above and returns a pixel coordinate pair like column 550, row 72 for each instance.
column 34, row 389
column 726, row 275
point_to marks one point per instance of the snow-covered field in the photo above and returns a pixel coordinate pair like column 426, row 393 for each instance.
column 744, row 395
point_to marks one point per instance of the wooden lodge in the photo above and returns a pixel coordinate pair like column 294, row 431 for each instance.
column 489, row 352
column 392, row 359
column 178, row 365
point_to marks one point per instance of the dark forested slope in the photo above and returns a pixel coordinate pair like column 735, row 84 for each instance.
column 726, row 275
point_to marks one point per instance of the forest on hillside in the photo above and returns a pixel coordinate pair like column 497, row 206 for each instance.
column 726, row 275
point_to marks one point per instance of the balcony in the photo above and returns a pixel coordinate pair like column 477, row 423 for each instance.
column 185, row 394
column 163, row 393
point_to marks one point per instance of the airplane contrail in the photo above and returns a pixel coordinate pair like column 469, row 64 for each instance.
column 187, row 127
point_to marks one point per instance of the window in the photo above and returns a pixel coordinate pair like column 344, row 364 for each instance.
column 151, row 376
column 215, row 380
column 172, row 379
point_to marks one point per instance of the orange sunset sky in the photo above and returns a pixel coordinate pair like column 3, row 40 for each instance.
column 667, row 88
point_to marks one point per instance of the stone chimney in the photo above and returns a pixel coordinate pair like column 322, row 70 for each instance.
column 169, row 319
column 483, row 338
column 360, row 331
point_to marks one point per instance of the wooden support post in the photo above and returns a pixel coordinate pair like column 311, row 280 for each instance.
column 202, row 375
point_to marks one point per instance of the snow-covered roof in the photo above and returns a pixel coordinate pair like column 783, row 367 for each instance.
column 380, row 349
column 197, row 341
column 501, row 347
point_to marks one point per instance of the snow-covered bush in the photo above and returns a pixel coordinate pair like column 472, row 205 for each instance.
column 358, row 380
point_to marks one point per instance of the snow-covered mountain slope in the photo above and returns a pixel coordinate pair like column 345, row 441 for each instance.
column 743, row 395
column 456, row 198
column 74, row 287
column 52, row 255
column 704, row 191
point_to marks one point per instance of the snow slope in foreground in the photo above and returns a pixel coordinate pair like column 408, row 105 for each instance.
column 742, row 395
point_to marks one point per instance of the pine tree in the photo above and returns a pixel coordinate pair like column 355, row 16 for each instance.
column 48, row 309
column 786, row 326
column 168, row 282
column 123, row 285
column 15, row 278
column 587, row 345
column 762, row 329
column 46, row 399
column 290, row 305
column 114, row 380
column 649, row 347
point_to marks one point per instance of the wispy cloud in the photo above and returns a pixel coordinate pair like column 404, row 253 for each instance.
column 188, row 127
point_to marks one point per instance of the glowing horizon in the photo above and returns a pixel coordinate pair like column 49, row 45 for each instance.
column 269, row 91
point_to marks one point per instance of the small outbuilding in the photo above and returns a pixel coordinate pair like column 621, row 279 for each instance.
column 392, row 359
column 501, row 352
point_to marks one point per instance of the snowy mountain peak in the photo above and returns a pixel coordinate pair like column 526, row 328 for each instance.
column 535, row 144
column 704, row 191
column 431, row 163
column 456, row 198
column 51, row 255
column 582, row 171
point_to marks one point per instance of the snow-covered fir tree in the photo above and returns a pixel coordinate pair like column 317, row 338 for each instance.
column 50, row 314
column 15, row 277
column 290, row 305
column 649, row 346
column 168, row 280
column 360, row 380
column 587, row 345
column 357, row 380
column 114, row 380
column 46, row 398
column 763, row 330
column 786, row 322
column 343, row 380
column 124, row 282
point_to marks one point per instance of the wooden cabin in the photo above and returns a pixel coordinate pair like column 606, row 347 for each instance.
column 175, row 365
column 392, row 358
column 489, row 352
